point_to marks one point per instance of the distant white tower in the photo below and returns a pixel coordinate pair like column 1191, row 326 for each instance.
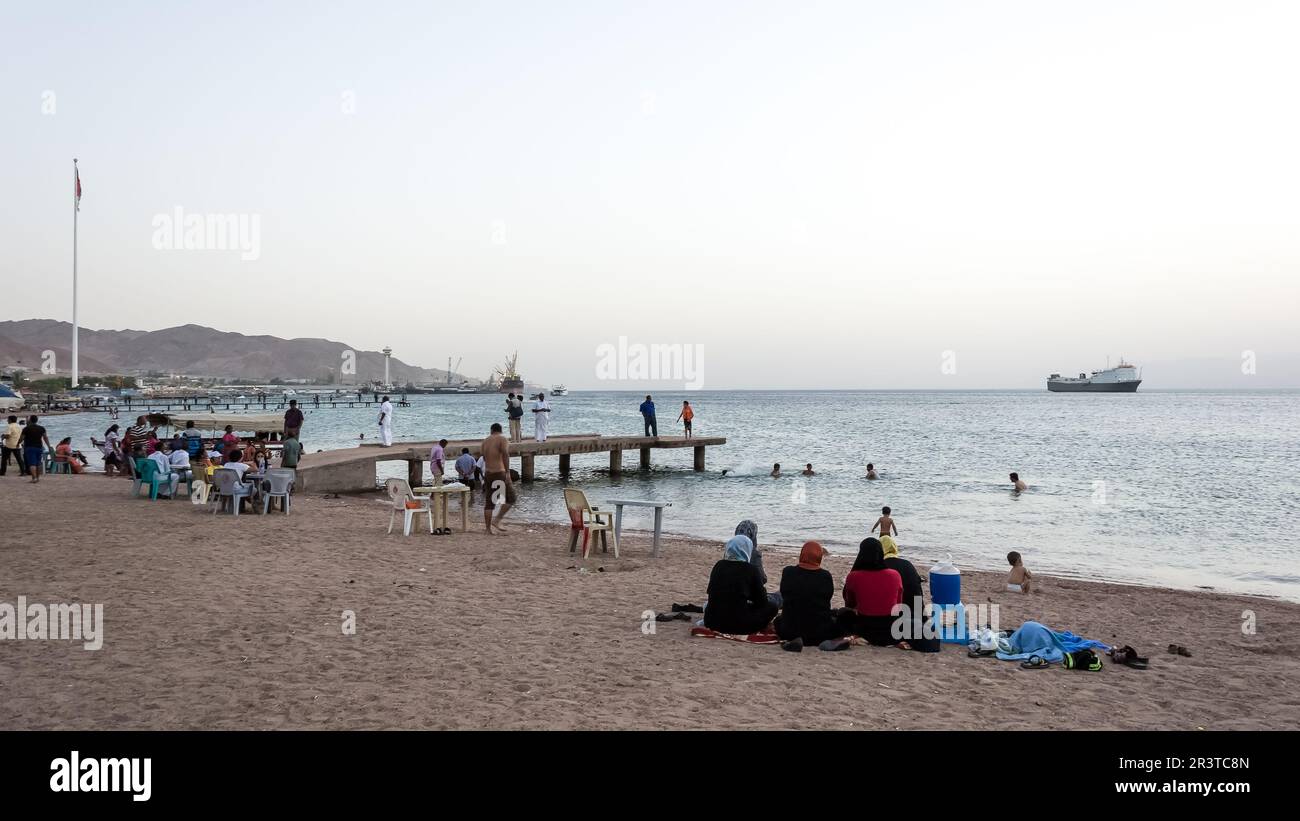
column 388, row 354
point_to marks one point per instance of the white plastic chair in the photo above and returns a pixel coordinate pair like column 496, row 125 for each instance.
column 399, row 494
column 228, row 488
column 281, row 481
column 587, row 520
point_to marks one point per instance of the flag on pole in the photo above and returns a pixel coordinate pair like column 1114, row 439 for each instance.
column 78, row 174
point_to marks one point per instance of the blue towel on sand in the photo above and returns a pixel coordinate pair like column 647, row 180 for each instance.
column 1071, row 643
column 1033, row 639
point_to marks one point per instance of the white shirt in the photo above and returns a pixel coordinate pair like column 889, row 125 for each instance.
column 386, row 410
column 180, row 459
column 160, row 459
column 238, row 467
column 111, row 443
column 481, row 465
column 541, row 405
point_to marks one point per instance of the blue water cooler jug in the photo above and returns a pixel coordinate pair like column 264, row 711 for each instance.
column 945, row 596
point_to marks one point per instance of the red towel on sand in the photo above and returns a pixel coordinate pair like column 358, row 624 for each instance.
column 752, row 638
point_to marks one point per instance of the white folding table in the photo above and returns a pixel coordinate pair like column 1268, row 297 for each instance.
column 659, row 517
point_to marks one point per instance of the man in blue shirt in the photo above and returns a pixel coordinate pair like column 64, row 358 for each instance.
column 465, row 467
column 648, row 413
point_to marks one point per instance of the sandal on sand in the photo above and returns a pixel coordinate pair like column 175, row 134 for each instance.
column 672, row 617
column 1179, row 650
column 834, row 644
column 1129, row 657
column 1035, row 663
column 793, row 645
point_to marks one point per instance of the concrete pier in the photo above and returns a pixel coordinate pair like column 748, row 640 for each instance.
column 353, row 469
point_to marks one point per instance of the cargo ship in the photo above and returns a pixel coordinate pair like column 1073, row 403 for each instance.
column 507, row 378
column 1123, row 378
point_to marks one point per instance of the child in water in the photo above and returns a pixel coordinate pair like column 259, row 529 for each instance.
column 1018, row 581
column 885, row 523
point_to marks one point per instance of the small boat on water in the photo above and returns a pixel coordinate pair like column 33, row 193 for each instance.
column 10, row 399
column 559, row 390
column 1123, row 378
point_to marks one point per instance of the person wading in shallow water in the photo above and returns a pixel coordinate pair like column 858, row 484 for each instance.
column 497, row 487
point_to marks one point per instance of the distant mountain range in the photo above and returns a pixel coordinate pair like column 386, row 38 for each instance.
column 194, row 350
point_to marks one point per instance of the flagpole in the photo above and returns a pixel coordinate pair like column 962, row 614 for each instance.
column 75, row 182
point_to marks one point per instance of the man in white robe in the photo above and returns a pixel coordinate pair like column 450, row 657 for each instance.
column 386, row 422
column 541, row 417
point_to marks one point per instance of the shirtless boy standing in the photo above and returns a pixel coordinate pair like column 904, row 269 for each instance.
column 496, row 478
column 885, row 523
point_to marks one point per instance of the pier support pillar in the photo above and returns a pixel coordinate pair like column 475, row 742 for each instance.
column 526, row 466
column 615, row 462
column 564, row 464
column 645, row 458
column 415, row 472
column 699, row 457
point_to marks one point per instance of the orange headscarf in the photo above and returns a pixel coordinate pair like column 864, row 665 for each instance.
column 810, row 557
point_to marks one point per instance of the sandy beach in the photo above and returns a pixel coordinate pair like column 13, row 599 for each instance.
column 212, row 622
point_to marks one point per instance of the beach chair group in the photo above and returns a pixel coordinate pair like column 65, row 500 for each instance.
column 227, row 490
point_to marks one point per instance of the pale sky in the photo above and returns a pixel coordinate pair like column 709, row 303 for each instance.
column 821, row 194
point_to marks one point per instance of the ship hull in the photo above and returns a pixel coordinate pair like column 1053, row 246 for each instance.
column 1129, row 386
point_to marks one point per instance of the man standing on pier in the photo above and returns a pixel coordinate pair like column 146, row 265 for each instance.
column 648, row 414
column 292, row 420
column 497, row 487
column 541, row 418
column 515, row 411
column 386, row 422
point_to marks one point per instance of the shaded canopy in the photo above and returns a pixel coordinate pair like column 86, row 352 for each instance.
column 241, row 422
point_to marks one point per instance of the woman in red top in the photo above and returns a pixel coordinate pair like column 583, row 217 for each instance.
column 872, row 591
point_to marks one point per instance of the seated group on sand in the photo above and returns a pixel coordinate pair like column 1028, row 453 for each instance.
column 801, row 613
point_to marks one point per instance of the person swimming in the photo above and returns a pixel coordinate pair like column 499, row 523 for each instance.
column 871, row 471
column 1017, row 483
